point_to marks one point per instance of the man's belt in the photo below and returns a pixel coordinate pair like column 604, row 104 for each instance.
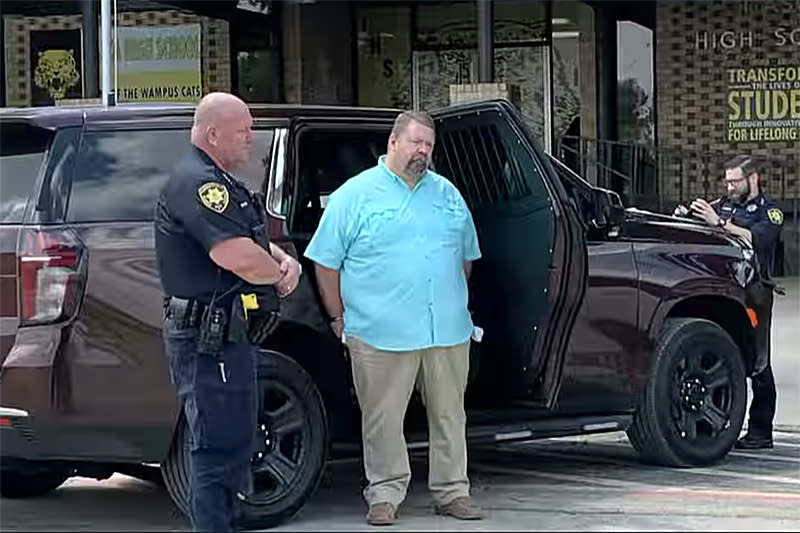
column 186, row 312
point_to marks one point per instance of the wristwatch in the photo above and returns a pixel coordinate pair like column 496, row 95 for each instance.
column 722, row 222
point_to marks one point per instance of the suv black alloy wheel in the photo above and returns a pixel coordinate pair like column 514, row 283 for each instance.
column 693, row 405
column 290, row 446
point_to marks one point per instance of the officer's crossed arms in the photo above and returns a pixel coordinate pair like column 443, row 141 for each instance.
column 249, row 261
column 223, row 131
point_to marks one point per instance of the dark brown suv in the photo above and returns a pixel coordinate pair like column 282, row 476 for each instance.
column 596, row 318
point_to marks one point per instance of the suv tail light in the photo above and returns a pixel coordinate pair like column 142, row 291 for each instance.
column 52, row 273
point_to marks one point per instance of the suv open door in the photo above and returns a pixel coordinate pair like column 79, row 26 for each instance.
column 527, row 288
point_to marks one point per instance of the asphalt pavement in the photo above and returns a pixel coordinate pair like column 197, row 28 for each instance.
column 590, row 483
column 569, row 484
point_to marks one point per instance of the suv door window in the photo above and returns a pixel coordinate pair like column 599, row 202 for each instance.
column 326, row 159
column 487, row 166
column 22, row 150
column 120, row 172
column 254, row 173
column 578, row 189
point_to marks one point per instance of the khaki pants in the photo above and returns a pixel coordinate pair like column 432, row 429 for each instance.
column 384, row 382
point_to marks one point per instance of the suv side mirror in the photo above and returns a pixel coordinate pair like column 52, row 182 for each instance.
column 608, row 211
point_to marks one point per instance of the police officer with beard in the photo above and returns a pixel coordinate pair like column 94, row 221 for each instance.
column 222, row 279
column 749, row 213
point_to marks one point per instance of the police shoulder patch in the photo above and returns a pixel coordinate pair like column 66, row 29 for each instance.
column 214, row 196
column 775, row 215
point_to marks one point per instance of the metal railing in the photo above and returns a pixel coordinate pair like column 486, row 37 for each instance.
column 657, row 178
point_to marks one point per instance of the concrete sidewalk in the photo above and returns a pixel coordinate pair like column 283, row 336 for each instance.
column 786, row 354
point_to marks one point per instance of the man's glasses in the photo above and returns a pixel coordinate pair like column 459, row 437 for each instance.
column 733, row 181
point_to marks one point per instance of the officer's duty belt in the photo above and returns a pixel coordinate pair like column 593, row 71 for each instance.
column 187, row 313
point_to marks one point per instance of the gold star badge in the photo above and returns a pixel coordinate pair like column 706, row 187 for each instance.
column 775, row 215
column 214, row 196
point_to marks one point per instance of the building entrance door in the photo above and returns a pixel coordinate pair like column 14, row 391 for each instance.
column 528, row 67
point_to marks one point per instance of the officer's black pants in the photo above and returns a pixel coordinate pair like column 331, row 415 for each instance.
column 221, row 420
column 762, row 408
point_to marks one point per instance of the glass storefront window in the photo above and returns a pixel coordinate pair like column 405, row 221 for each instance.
column 384, row 56
column 635, row 83
column 445, row 53
column 257, row 78
column 397, row 68
column 519, row 23
column 574, row 92
column 574, row 81
column 442, row 25
column 521, row 58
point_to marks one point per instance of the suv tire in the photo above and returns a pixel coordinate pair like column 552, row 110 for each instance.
column 285, row 388
column 693, row 405
column 29, row 482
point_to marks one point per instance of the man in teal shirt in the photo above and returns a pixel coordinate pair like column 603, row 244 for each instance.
column 393, row 253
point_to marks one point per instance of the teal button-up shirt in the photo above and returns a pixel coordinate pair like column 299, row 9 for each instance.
column 400, row 253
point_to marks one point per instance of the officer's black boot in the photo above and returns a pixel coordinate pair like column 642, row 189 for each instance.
column 762, row 411
column 754, row 441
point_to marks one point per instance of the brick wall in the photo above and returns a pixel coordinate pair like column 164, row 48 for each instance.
column 215, row 46
column 692, row 58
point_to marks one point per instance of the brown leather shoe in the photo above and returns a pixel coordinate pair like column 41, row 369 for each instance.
column 462, row 508
column 381, row 514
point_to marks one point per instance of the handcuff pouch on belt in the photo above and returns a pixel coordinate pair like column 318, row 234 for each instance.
column 254, row 315
column 251, row 317
column 257, row 307
column 253, row 312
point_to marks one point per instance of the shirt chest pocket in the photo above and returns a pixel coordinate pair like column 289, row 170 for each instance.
column 447, row 223
column 383, row 228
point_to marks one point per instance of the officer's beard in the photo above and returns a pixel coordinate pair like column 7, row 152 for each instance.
column 741, row 198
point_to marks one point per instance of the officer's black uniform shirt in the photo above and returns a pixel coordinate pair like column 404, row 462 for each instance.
column 764, row 220
column 200, row 206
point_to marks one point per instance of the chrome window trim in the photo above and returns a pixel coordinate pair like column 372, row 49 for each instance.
column 277, row 174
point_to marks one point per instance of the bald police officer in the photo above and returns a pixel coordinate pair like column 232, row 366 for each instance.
column 211, row 249
column 749, row 213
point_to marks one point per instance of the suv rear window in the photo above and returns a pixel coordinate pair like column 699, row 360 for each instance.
column 120, row 172
column 22, row 150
